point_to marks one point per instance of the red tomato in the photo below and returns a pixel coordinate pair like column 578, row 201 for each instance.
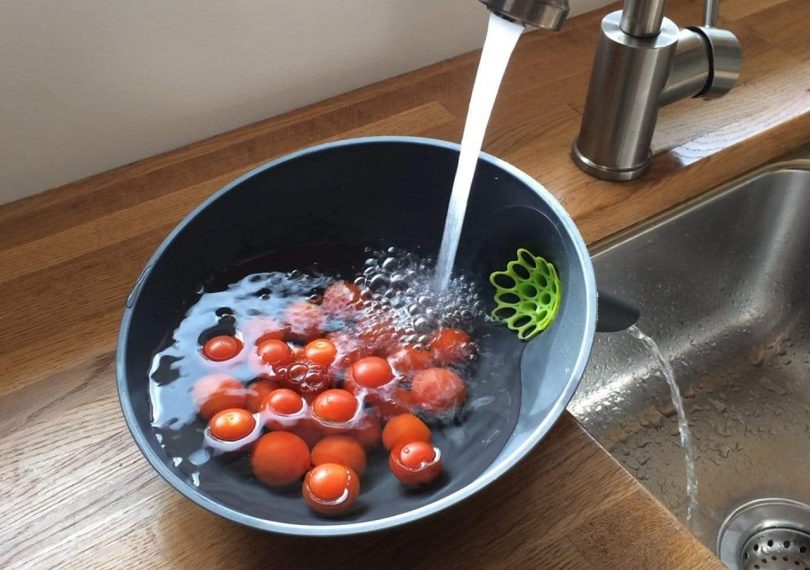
column 378, row 330
column 305, row 320
column 367, row 431
column 283, row 402
column 321, row 351
column 274, row 352
column 372, row 372
column 232, row 424
column 438, row 389
column 280, row 459
column 410, row 359
column 256, row 394
column 341, row 296
column 415, row 463
column 331, row 489
column 400, row 401
column 217, row 392
column 405, row 428
column 222, row 347
column 342, row 450
column 452, row 346
column 336, row 406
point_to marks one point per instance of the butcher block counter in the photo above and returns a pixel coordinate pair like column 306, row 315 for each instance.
column 76, row 491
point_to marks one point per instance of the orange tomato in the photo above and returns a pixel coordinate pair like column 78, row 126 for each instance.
column 217, row 392
column 305, row 321
column 340, row 449
column 416, row 463
column 372, row 372
column 335, row 406
column 274, row 352
column 405, row 428
column 280, row 458
column 331, row 489
column 452, row 346
column 438, row 389
column 257, row 392
column 232, row 424
column 221, row 348
column 320, row 351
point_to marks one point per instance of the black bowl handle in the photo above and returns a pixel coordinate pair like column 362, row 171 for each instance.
column 614, row 315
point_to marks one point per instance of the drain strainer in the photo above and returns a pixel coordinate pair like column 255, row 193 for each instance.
column 777, row 549
column 766, row 534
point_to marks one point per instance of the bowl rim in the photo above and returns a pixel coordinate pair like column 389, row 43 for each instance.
column 493, row 472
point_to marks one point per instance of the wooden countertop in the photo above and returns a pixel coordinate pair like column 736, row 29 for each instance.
column 77, row 492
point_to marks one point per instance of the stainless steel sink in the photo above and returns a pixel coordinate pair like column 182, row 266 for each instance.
column 723, row 285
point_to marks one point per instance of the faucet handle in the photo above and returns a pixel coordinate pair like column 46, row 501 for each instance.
column 725, row 60
column 724, row 50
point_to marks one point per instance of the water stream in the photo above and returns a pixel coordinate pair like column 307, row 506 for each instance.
column 502, row 36
column 683, row 424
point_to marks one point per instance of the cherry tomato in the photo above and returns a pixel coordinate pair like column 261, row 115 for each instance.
column 342, row 450
column 378, row 331
column 280, row 458
column 336, row 406
column 438, row 389
column 256, row 394
column 405, row 428
column 415, row 463
column 308, row 378
column 410, row 359
column 340, row 296
column 305, row 320
column 217, row 392
column 320, row 351
column 283, row 402
column 222, row 347
column 452, row 346
column 399, row 402
column 274, row 352
column 331, row 489
column 372, row 372
column 232, row 424
column 367, row 431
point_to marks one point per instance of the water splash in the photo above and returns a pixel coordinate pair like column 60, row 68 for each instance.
column 502, row 36
column 683, row 424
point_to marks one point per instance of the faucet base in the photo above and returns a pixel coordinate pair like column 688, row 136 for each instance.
column 605, row 172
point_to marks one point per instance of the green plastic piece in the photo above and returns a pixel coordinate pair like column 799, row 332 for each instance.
column 527, row 294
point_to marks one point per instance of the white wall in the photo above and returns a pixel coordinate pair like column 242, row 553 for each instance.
column 87, row 85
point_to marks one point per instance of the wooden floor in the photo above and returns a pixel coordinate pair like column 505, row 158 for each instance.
column 77, row 493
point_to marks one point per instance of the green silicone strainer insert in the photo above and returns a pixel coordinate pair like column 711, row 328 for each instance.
column 527, row 294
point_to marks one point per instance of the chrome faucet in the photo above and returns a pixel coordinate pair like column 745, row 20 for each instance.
column 643, row 61
column 543, row 14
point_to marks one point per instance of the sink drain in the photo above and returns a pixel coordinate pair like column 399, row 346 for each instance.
column 777, row 549
column 766, row 534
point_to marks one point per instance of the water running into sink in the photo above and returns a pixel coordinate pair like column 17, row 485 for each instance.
column 502, row 36
column 683, row 425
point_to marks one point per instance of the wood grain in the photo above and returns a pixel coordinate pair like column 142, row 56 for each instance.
column 77, row 493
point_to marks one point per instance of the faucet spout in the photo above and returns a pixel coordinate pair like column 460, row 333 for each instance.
column 542, row 14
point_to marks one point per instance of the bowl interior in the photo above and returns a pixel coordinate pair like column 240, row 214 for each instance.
column 369, row 192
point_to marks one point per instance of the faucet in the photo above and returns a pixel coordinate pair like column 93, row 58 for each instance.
column 543, row 14
column 643, row 62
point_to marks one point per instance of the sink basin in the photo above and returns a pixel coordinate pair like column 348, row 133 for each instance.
column 723, row 284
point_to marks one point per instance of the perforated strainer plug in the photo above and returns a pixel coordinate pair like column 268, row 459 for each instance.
column 527, row 294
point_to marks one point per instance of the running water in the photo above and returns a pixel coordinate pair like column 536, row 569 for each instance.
column 502, row 36
column 683, row 425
